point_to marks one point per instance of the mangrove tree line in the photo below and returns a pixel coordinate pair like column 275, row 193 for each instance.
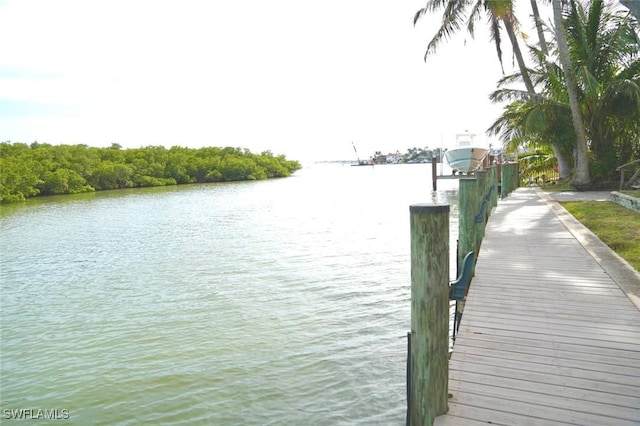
column 43, row 169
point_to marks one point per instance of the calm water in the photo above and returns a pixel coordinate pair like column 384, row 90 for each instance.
column 275, row 302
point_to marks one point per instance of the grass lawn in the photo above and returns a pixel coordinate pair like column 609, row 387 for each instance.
column 616, row 226
column 632, row 193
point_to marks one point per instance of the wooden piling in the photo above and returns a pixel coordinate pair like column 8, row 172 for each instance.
column 494, row 183
column 510, row 178
column 468, row 195
column 484, row 183
column 429, row 312
column 506, row 180
column 499, row 178
column 434, row 173
column 483, row 179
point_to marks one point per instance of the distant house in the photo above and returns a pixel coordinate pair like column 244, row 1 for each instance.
column 394, row 158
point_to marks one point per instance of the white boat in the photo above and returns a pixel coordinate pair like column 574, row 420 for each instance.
column 466, row 157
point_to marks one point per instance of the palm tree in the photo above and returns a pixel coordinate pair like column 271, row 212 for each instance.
column 563, row 163
column 582, row 162
column 539, row 28
column 604, row 47
column 502, row 11
column 538, row 122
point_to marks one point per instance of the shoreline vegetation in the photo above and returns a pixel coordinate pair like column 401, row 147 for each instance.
column 42, row 169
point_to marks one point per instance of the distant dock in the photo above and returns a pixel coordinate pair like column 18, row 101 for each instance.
column 456, row 176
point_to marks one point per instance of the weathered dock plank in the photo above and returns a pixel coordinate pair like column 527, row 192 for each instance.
column 525, row 362
column 463, row 378
column 564, row 401
column 620, row 356
column 560, row 319
column 548, row 335
column 511, row 411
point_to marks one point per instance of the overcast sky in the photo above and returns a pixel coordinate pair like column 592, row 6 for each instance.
column 301, row 78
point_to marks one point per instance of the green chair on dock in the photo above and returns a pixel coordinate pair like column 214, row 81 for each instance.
column 481, row 217
column 458, row 289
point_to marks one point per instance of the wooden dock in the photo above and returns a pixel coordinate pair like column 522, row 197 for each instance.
column 548, row 337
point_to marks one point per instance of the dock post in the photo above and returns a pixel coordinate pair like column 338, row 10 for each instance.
column 468, row 196
column 484, row 183
column 513, row 178
column 483, row 180
column 506, row 180
column 434, row 173
column 494, row 184
column 428, row 395
column 510, row 177
column 499, row 178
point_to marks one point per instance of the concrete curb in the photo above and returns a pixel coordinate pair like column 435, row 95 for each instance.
column 627, row 201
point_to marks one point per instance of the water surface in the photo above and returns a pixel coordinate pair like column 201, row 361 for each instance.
column 274, row 302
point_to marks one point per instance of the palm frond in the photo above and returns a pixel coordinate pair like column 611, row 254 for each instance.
column 419, row 14
column 452, row 19
column 474, row 15
column 631, row 71
column 590, row 84
column 536, row 164
column 622, row 99
column 510, row 79
column 496, row 37
column 508, row 95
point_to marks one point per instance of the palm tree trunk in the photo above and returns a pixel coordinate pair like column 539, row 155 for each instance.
column 582, row 165
column 564, row 168
column 509, row 26
column 563, row 165
column 536, row 18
